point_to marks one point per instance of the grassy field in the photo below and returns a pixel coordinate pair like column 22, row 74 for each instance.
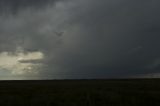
column 124, row 92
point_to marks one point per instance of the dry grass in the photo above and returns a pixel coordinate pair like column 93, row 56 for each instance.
column 140, row 92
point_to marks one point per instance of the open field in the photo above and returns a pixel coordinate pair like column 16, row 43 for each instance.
column 124, row 92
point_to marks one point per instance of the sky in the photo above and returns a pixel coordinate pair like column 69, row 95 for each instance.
column 79, row 39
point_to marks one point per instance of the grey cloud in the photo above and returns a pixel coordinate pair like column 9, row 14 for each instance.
column 37, row 61
column 14, row 6
column 107, row 31
column 100, row 39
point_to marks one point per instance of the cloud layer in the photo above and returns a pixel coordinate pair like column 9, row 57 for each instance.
column 84, row 38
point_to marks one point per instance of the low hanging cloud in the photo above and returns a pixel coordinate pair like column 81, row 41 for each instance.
column 83, row 38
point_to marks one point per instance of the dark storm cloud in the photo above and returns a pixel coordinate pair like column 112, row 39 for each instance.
column 13, row 6
column 114, row 38
column 31, row 21
column 87, row 38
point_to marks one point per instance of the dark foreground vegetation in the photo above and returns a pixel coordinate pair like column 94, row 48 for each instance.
column 128, row 92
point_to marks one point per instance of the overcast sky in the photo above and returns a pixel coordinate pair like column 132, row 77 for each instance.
column 61, row 39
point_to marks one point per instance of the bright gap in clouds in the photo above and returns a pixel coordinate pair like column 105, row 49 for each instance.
column 20, row 63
